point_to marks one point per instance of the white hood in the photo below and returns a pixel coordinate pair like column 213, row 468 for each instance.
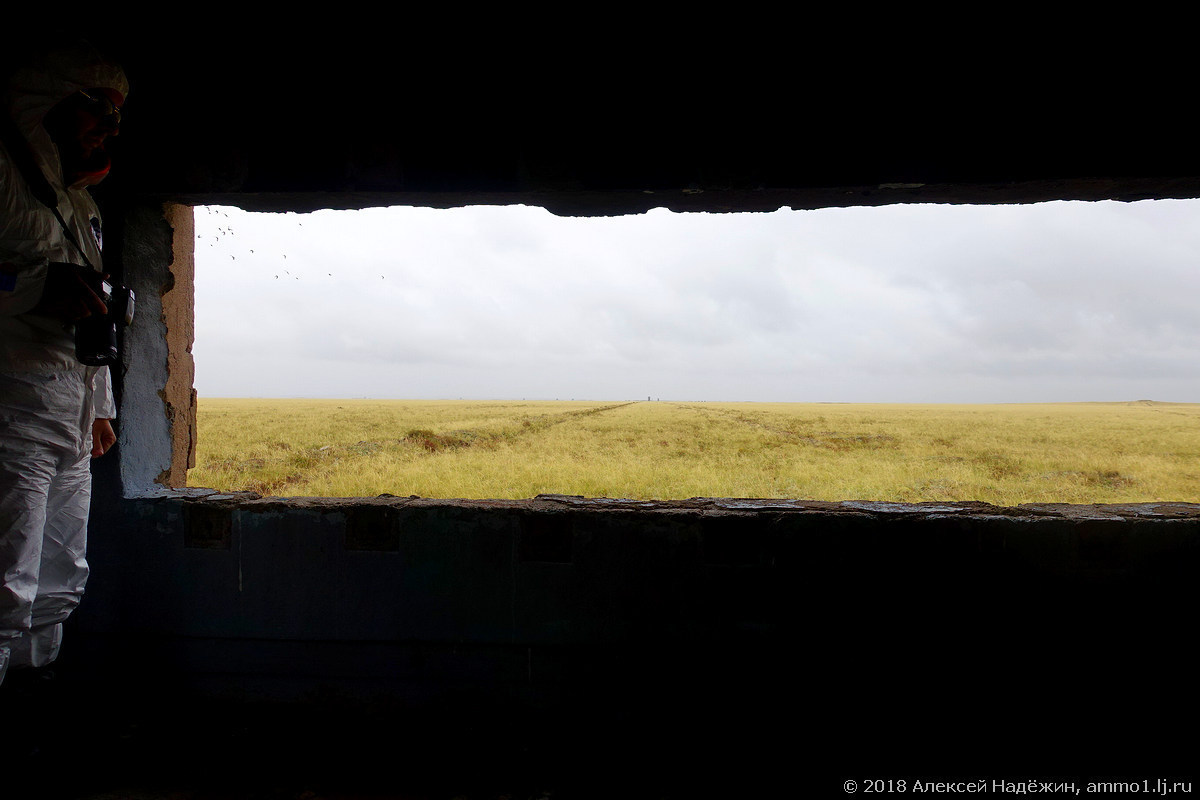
column 39, row 86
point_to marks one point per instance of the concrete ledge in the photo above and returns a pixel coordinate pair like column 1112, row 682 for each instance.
column 567, row 571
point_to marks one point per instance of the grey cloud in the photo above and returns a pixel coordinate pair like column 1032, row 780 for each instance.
column 899, row 303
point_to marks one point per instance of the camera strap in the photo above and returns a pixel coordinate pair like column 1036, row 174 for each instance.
column 18, row 149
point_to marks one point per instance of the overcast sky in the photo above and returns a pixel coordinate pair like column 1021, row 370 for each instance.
column 910, row 303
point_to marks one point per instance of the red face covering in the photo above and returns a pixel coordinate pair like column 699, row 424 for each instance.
column 80, row 126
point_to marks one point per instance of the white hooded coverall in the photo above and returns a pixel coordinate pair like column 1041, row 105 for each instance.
column 48, row 400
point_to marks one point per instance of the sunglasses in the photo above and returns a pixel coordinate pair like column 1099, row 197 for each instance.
column 100, row 105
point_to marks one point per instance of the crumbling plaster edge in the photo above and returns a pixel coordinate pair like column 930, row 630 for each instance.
column 253, row 501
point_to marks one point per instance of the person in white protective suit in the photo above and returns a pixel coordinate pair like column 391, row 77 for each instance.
column 54, row 411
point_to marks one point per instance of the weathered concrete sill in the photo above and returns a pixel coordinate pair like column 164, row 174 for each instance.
column 706, row 505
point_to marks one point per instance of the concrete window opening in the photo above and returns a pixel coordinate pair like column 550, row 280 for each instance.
column 784, row 331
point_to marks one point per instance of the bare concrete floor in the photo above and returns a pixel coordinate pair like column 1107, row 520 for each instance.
column 83, row 744
column 228, row 753
column 735, row 728
column 224, row 752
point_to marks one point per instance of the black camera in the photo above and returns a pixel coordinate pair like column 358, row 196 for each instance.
column 96, row 335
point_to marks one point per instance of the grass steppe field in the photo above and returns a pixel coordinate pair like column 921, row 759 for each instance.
column 1138, row 451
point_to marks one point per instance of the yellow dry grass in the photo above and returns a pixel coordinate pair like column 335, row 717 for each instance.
column 1003, row 454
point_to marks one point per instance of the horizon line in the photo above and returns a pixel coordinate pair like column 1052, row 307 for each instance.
column 1140, row 401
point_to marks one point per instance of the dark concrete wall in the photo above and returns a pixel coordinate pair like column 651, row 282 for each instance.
column 725, row 638
column 689, row 111
column 788, row 639
column 822, row 636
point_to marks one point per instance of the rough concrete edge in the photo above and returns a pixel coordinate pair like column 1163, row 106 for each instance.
column 178, row 301
column 707, row 505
